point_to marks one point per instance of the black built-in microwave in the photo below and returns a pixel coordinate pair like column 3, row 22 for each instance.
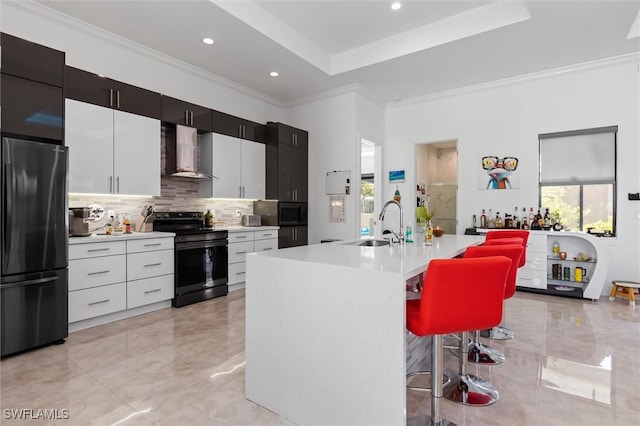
column 292, row 214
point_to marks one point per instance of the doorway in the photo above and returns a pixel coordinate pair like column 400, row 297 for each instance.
column 369, row 197
column 437, row 182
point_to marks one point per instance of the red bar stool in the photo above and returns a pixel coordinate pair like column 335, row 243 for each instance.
column 506, row 237
column 477, row 352
column 450, row 286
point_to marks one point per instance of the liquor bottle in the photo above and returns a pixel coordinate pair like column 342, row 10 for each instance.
column 491, row 222
column 547, row 218
column 483, row 220
column 498, row 220
column 515, row 223
column 525, row 224
column 532, row 217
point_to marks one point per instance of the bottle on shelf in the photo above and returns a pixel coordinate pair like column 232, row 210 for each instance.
column 499, row 223
column 555, row 249
column 532, row 216
column 525, row 224
column 547, row 218
column 483, row 220
column 516, row 219
column 508, row 221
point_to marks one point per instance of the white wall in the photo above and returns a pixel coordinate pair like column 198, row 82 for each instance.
column 100, row 52
column 506, row 120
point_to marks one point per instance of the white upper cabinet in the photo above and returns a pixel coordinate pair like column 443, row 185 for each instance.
column 111, row 151
column 238, row 165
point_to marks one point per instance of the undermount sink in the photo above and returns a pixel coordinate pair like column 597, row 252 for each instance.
column 371, row 243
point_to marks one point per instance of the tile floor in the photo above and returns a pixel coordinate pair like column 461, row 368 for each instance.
column 572, row 363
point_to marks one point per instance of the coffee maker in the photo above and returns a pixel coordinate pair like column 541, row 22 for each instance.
column 78, row 222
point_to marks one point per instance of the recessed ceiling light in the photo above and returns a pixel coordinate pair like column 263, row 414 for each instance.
column 207, row 40
column 396, row 5
column 274, row 74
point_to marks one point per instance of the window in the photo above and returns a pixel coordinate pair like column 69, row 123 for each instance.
column 578, row 178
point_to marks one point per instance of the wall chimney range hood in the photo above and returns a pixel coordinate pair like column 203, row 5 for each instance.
column 182, row 153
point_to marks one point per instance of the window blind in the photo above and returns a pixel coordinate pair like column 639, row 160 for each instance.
column 584, row 156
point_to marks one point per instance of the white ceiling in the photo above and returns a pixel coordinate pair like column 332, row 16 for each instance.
column 425, row 47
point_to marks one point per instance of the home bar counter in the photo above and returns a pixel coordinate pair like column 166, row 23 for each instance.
column 326, row 339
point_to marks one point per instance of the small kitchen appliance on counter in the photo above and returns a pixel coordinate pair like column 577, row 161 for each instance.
column 251, row 220
column 78, row 226
column 201, row 257
column 267, row 210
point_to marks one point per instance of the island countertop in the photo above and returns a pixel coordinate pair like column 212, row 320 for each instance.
column 409, row 259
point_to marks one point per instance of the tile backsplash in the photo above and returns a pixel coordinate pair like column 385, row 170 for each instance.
column 177, row 194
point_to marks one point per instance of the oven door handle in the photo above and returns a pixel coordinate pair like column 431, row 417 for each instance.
column 200, row 245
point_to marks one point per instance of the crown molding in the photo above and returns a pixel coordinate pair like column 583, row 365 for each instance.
column 628, row 58
column 354, row 88
column 82, row 26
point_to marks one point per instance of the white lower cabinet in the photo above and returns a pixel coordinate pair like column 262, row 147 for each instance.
column 534, row 273
column 113, row 276
column 241, row 243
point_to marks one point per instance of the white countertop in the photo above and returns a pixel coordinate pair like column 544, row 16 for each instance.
column 95, row 238
column 409, row 259
column 240, row 228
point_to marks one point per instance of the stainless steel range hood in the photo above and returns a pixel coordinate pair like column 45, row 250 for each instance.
column 182, row 153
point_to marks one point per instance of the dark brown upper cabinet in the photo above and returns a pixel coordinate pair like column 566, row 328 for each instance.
column 31, row 108
column 187, row 114
column 25, row 59
column 236, row 127
column 287, row 163
column 98, row 90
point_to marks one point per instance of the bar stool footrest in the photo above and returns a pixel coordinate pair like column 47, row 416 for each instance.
column 426, row 421
column 470, row 390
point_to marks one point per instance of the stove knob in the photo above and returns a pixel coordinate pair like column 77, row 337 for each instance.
column 199, row 214
column 166, row 215
column 158, row 215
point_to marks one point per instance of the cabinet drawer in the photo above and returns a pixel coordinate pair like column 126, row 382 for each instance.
column 536, row 243
column 266, row 235
column 99, row 271
column 149, row 264
column 235, row 237
column 97, row 301
column 81, row 251
column 237, row 272
column 149, row 290
column 151, row 244
column 265, row 245
column 238, row 251
column 531, row 278
column 536, row 261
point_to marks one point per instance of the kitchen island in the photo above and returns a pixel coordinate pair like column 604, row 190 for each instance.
column 325, row 329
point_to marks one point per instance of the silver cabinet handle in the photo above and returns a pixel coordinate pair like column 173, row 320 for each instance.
column 154, row 244
column 111, row 98
column 241, row 252
column 240, row 191
column 118, row 99
column 110, row 184
column 240, row 273
column 118, row 183
column 192, row 118
column 99, row 272
column 152, row 291
column 101, row 301
column 152, row 264
column 186, row 116
column 268, row 248
column 267, row 235
column 100, row 249
column 241, row 236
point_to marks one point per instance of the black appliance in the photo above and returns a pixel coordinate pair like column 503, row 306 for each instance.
column 201, row 257
column 292, row 214
column 34, row 257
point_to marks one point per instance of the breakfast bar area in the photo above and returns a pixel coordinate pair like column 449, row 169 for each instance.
column 325, row 329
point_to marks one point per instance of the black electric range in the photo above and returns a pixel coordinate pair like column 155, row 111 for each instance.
column 201, row 256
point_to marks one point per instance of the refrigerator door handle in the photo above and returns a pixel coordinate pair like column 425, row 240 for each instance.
column 30, row 282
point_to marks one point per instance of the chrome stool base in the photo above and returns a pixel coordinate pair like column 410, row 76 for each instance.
column 426, row 421
column 498, row 333
column 470, row 390
column 445, row 380
column 481, row 354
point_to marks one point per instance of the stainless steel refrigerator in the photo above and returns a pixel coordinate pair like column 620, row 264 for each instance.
column 34, row 259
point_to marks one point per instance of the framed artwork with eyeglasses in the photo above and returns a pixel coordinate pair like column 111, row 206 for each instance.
column 498, row 172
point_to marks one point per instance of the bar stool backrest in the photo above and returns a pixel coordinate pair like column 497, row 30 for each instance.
column 453, row 287
column 510, row 233
column 512, row 251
